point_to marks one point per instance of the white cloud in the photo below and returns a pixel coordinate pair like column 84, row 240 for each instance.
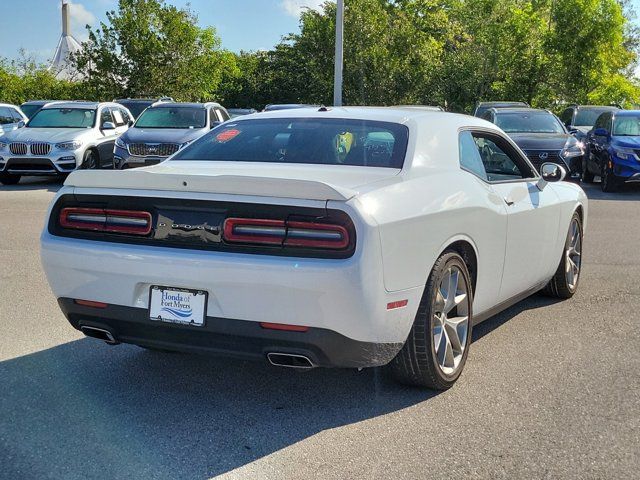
column 80, row 17
column 295, row 7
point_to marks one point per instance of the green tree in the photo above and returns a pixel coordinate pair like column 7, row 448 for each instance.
column 149, row 48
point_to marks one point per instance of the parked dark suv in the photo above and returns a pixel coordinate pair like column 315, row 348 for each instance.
column 137, row 105
column 579, row 119
column 163, row 129
column 482, row 107
column 540, row 134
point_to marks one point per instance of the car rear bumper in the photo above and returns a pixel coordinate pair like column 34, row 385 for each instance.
column 235, row 338
column 345, row 296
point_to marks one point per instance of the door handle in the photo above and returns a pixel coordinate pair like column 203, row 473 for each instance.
column 508, row 201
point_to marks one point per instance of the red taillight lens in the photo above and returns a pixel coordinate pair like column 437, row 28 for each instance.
column 286, row 233
column 283, row 327
column 90, row 303
column 104, row 220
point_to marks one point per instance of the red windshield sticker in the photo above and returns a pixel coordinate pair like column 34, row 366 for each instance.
column 227, row 135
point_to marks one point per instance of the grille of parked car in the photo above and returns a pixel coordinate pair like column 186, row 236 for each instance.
column 538, row 157
column 40, row 148
column 153, row 149
column 18, row 148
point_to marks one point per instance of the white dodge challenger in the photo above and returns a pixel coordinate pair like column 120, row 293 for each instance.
column 330, row 237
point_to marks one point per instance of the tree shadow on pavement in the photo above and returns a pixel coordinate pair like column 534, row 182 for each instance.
column 87, row 410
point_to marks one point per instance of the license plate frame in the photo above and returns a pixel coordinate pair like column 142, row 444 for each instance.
column 183, row 306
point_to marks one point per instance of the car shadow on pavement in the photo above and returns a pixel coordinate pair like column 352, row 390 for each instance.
column 537, row 300
column 49, row 184
column 628, row 192
column 88, row 410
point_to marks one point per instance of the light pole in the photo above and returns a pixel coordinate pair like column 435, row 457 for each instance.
column 337, row 73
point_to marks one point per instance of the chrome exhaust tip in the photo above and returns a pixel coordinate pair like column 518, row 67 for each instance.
column 289, row 360
column 99, row 333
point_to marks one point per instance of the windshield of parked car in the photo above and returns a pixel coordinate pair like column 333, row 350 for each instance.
column 29, row 110
column 586, row 117
column 63, row 118
column 172, row 117
column 528, row 122
column 136, row 108
column 627, row 126
column 324, row 141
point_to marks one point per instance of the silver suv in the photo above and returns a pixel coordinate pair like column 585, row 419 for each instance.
column 61, row 137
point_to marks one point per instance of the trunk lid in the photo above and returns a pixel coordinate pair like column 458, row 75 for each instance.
column 302, row 181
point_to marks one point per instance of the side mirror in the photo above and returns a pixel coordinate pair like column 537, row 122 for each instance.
column 108, row 126
column 601, row 132
column 21, row 124
column 550, row 173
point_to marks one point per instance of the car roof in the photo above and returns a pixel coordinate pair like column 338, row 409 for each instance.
column 184, row 105
column 626, row 113
column 381, row 114
column 8, row 105
column 39, row 102
column 82, row 104
column 520, row 110
column 499, row 103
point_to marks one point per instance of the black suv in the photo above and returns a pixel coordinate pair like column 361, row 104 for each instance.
column 541, row 136
column 482, row 107
column 579, row 119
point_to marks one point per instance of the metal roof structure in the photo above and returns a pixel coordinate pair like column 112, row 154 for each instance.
column 66, row 46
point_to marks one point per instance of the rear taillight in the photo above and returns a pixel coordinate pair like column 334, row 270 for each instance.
column 129, row 222
column 286, row 233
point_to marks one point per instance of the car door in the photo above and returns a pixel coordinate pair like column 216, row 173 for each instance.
column 598, row 144
column 108, row 139
column 533, row 215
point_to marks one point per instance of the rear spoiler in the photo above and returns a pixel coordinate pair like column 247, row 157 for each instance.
column 223, row 184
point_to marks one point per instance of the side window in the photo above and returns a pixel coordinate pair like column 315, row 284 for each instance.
column 487, row 116
column 16, row 116
column 601, row 121
column 567, row 116
column 117, row 116
column 608, row 121
column 127, row 118
column 105, row 116
column 6, row 117
column 500, row 160
column 222, row 113
column 470, row 156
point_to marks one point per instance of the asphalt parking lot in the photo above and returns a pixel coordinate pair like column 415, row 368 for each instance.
column 551, row 389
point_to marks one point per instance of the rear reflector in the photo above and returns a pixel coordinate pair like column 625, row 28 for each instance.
column 282, row 326
column 89, row 303
column 130, row 222
column 397, row 304
column 286, row 233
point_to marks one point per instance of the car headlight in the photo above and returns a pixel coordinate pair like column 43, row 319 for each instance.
column 120, row 143
column 72, row 145
column 624, row 153
column 575, row 150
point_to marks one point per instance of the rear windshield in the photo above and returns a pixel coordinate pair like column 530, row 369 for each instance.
column 586, row 117
column 136, row 108
column 327, row 141
column 63, row 118
column 172, row 117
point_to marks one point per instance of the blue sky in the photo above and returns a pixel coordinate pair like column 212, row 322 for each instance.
column 242, row 24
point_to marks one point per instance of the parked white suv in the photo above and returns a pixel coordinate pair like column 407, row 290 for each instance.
column 61, row 137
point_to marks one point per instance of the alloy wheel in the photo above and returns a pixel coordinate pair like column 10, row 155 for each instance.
column 451, row 320
column 573, row 255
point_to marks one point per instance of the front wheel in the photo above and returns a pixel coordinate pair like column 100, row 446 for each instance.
column 609, row 181
column 90, row 160
column 438, row 344
column 8, row 179
column 565, row 281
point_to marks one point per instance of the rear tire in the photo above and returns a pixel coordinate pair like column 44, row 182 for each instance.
column 438, row 344
column 565, row 281
column 609, row 181
column 9, row 179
